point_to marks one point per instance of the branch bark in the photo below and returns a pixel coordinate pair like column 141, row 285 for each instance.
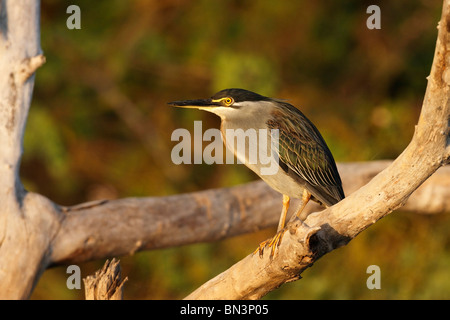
column 322, row 232
column 25, row 232
column 105, row 284
column 118, row 227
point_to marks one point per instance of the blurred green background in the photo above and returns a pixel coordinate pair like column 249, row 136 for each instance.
column 100, row 127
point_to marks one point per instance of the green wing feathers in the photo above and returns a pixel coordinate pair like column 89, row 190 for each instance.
column 304, row 154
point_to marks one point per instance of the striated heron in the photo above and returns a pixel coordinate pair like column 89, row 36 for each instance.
column 306, row 168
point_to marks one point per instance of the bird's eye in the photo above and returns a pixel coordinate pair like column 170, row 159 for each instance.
column 228, row 101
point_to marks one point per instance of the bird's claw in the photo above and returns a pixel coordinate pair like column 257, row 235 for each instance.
column 273, row 243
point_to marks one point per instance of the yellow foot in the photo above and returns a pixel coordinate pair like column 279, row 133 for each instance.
column 272, row 242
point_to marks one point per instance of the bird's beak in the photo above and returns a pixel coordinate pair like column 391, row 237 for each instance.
column 196, row 104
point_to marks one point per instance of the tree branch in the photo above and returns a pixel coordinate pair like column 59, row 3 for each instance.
column 105, row 284
column 25, row 232
column 322, row 232
column 102, row 229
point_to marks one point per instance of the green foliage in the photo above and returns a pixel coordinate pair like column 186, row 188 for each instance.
column 99, row 125
column 232, row 70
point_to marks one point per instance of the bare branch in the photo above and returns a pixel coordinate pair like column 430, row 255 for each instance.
column 100, row 229
column 28, row 67
column 322, row 232
column 105, row 284
column 25, row 232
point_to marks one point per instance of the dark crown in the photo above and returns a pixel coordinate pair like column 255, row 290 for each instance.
column 239, row 95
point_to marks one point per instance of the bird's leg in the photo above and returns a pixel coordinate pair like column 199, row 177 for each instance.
column 284, row 211
column 277, row 238
column 306, row 196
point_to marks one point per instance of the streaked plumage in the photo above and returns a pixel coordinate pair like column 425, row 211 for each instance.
column 304, row 154
column 307, row 168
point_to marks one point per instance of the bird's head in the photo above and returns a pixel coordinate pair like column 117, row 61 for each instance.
column 225, row 103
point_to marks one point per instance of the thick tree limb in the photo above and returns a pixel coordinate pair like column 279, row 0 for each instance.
column 25, row 232
column 113, row 228
column 322, row 232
